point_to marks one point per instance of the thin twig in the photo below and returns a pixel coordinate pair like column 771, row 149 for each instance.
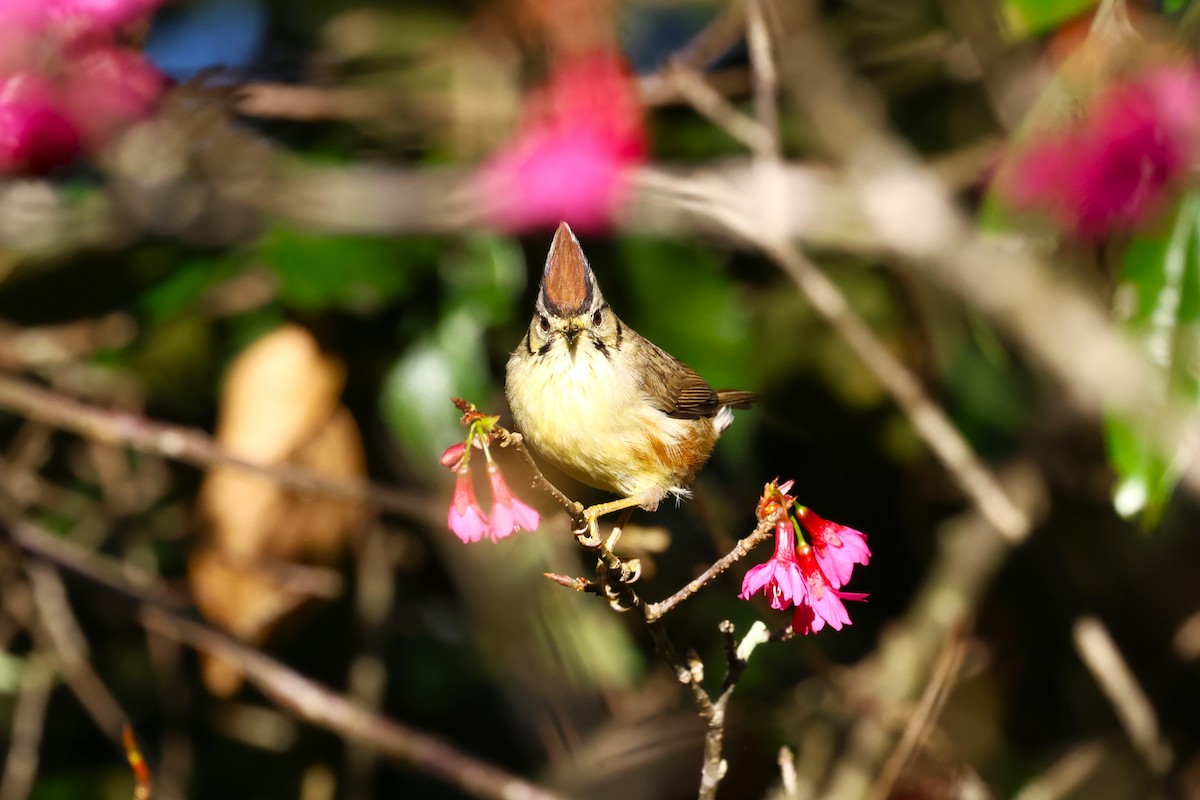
column 766, row 78
column 186, row 445
column 55, row 626
column 656, row 611
column 310, row 701
column 787, row 773
column 938, row 688
column 710, row 104
column 736, row 657
column 322, row 707
column 28, row 723
column 1102, row 657
column 287, row 687
column 1068, row 773
column 927, row 418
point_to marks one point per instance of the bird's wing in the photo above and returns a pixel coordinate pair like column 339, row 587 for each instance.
column 674, row 387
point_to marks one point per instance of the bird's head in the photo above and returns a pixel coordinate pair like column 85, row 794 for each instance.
column 570, row 309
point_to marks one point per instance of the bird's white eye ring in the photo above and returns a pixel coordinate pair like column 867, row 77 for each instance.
column 543, row 324
column 598, row 317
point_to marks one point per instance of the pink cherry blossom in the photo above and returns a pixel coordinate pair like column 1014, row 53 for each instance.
column 466, row 519
column 452, row 459
column 580, row 136
column 780, row 578
column 1112, row 169
column 822, row 602
column 837, row 547
column 36, row 133
column 509, row 514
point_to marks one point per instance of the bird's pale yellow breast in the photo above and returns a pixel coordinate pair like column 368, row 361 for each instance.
column 588, row 415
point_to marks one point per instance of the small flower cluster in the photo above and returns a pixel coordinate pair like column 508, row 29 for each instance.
column 1114, row 165
column 808, row 578
column 467, row 519
column 66, row 82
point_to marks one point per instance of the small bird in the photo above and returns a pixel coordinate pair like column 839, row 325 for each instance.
column 605, row 404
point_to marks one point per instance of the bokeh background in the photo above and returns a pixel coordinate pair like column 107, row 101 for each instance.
column 288, row 232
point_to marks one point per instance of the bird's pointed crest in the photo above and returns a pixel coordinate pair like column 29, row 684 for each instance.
column 568, row 286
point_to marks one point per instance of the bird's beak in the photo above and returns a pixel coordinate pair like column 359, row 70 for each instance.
column 572, row 333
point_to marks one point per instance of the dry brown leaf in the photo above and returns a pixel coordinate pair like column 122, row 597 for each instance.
column 279, row 405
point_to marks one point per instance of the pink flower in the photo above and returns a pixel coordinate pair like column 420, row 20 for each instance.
column 466, row 520
column 36, row 134
column 107, row 88
column 780, row 578
column 1112, row 169
column 822, row 602
column 99, row 13
column 837, row 547
column 509, row 514
column 580, row 136
column 452, row 459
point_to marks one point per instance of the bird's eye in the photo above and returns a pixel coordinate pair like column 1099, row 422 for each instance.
column 598, row 317
column 543, row 324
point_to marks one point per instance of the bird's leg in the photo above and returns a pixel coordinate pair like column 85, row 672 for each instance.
column 611, row 541
column 631, row 570
column 593, row 513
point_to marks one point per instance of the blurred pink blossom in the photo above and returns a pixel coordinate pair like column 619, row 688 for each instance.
column 99, row 13
column 107, row 88
column 1112, row 169
column 67, row 84
column 36, row 134
column 580, row 135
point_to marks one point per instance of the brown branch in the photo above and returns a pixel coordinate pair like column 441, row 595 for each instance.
column 307, row 699
column 1104, row 660
column 322, row 707
column 656, row 611
column 937, row 690
column 28, row 723
column 930, row 422
column 186, row 445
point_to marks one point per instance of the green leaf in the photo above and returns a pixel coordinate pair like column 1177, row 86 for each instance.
column 448, row 362
column 1161, row 287
column 1027, row 18
column 361, row 274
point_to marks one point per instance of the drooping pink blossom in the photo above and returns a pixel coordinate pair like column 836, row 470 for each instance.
column 466, row 519
column 779, row 578
column 509, row 514
column 580, row 136
column 36, row 134
column 822, row 602
column 837, row 547
column 1112, row 168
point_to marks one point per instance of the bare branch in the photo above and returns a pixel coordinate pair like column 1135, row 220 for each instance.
column 292, row 691
column 1102, row 657
column 322, row 707
column 187, row 445
column 28, row 720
